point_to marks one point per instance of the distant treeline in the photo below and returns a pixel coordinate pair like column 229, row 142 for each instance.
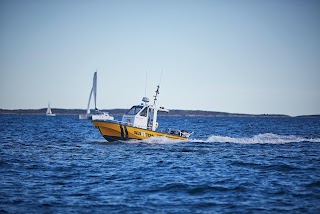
column 58, row 111
column 119, row 112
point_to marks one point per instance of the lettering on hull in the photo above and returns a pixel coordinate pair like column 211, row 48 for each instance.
column 143, row 134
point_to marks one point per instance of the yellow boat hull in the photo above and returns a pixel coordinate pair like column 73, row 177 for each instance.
column 113, row 131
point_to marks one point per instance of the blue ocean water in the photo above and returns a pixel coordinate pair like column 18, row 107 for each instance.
column 230, row 165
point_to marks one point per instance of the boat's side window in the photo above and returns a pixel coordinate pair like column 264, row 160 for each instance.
column 131, row 111
column 134, row 110
column 144, row 112
column 138, row 108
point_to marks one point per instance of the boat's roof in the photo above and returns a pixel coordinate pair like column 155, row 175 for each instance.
column 150, row 106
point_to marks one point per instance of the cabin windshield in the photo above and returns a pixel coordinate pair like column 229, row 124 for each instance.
column 144, row 113
column 134, row 110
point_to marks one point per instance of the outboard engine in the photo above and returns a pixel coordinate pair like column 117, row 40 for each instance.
column 185, row 133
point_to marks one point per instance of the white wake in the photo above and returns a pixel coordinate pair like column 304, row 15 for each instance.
column 266, row 138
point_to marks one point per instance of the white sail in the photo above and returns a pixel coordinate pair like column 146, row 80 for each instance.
column 49, row 109
column 49, row 112
column 93, row 91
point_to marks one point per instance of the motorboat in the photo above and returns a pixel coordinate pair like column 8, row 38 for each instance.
column 139, row 122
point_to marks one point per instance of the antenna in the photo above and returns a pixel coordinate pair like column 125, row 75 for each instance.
column 145, row 88
column 161, row 76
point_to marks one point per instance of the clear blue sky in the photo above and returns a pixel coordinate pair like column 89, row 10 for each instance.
column 232, row 56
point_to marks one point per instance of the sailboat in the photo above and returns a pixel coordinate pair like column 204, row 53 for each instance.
column 49, row 112
column 97, row 115
column 140, row 122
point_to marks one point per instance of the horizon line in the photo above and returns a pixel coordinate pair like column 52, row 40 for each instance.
column 208, row 111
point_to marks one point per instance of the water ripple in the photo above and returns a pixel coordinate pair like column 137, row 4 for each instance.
column 65, row 166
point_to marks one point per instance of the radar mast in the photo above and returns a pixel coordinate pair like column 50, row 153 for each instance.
column 155, row 96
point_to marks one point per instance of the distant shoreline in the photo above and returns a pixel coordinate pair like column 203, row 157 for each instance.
column 120, row 112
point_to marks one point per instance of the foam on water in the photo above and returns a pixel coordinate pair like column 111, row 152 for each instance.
column 157, row 140
column 266, row 138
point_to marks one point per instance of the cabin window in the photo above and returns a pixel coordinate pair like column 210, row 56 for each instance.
column 144, row 112
column 134, row 110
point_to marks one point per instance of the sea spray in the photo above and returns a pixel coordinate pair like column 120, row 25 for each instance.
column 266, row 138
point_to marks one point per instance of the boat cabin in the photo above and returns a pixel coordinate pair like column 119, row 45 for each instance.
column 143, row 116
